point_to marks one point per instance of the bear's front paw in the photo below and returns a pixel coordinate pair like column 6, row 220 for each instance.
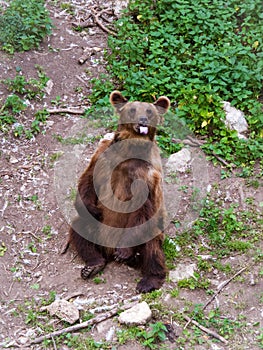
column 148, row 284
column 91, row 271
column 122, row 254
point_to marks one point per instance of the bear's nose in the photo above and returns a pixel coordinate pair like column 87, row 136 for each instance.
column 143, row 121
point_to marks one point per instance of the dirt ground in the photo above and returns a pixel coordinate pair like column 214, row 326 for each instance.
column 34, row 221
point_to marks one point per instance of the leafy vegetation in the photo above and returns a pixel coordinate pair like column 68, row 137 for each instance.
column 15, row 105
column 198, row 53
column 227, row 230
column 23, row 25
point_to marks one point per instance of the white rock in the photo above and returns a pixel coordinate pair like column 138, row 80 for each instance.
column 23, row 340
column 235, row 119
column 13, row 160
column 119, row 6
column 49, row 86
column 182, row 272
column 137, row 315
column 179, row 161
column 64, row 310
column 110, row 334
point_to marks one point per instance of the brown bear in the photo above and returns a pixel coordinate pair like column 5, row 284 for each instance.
column 120, row 201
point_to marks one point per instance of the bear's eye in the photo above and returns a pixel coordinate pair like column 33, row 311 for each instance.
column 149, row 113
column 132, row 113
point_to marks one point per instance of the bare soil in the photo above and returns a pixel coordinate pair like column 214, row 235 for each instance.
column 34, row 223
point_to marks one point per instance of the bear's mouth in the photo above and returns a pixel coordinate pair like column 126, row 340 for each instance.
column 143, row 129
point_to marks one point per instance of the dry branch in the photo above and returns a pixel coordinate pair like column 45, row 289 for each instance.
column 206, row 330
column 223, row 286
column 96, row 15
column 82, row 325
column 190, row 141
column 87, row 52
column 216, row 293
column 70, row 110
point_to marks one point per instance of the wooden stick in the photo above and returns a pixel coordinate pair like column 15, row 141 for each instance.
column 223, row 286
column 206, row 330
column 70, row 110
column 95, row 16
column 102, row 26
column 218, row 291
column 83, row 325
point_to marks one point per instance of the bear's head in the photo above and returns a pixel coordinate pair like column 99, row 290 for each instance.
column 139, row 119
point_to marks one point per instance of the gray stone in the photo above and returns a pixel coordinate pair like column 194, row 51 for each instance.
column 179, row 161
column 137, row 315
column 119, row 6
column 235, row 119
column 182, row 272
column 64, row 310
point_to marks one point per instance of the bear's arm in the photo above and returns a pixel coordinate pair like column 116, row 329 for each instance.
column 87, row 198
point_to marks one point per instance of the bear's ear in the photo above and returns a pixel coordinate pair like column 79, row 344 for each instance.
column 117, row 100
column 162, row 104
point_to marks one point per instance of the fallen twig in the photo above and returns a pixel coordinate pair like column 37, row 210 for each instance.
column 96, row 20
column 223, row 286
column 101, row 25
column 190, row 141
column 70, row 110
column 85, row 324
column 87, row 52
column 217, row 292
column 206, row 330
column 222, row 161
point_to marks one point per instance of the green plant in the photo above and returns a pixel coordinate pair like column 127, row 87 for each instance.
column 23, row 25
column 15, row 104
column 198, row 53
column 152, row 338
column 260, row 338
column 30, row 88
column 98, row 280
column 194, row 282
column 215, row 320
column 152, row 296
column 51, row 298
column 170, row 250
column 3, row 249
column 221, row 226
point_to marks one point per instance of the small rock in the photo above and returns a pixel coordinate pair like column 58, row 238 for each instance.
column 23, row 340
column 13, row 160
column 64, row 310
column 104, row 327
column 235, row 119
column 137, row 315
column 182, row 272
column 179, row 161
column 49, row 86
column 110, row 334
column 119, row 6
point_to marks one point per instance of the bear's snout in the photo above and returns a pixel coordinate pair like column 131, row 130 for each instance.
column 143, row 121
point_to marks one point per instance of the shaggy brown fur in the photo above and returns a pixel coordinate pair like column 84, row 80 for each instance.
column 120, row 200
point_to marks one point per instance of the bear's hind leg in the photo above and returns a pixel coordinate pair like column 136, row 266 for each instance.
column 93, row 258
column 153, row 266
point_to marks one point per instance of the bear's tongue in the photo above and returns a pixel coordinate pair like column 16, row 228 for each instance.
column 144, row 130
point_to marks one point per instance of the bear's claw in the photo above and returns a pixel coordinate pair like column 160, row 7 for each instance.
column 91, row 271
column 148, row 284
column 123, row 254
